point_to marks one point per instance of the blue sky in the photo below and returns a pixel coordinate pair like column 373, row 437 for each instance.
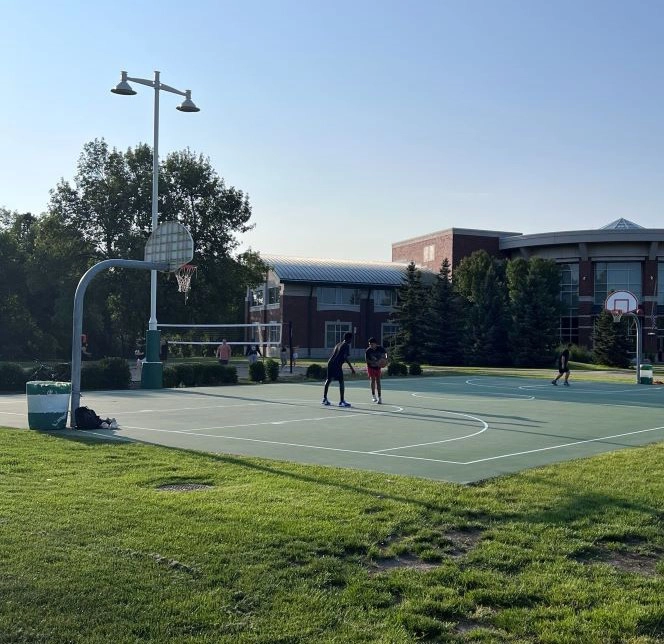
column 352, row 125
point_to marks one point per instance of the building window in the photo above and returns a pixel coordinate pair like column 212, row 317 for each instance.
column 429, row 253
column 659, row 286
column 334, row 333
column 257, row 297
column 617, row 276
column 273, row 295
column 339, row 296
column 385, row 297
column 569, row 299
column 388, row 331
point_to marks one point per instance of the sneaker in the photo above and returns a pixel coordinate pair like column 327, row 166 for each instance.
column 374, row 399
column 553, row 382
column 379, row 401
column 343, row 403
column 325, row 402
column 566, row 384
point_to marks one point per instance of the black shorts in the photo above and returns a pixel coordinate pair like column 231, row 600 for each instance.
column 335, row 373
column 561, row 371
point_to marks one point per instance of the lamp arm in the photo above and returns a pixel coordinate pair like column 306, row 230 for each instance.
column 168, row 88
column 142, row 81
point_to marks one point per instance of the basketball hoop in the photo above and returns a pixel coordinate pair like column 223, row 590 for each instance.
column 616, row 314
column 183, row 275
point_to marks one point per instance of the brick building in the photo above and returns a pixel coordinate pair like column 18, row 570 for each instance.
column 619, row 256
column 322, row 299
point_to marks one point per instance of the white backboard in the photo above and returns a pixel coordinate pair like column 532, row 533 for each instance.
column 170, row 243
column 623, row 301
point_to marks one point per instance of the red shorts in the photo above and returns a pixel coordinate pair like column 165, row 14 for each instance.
column 373, row 372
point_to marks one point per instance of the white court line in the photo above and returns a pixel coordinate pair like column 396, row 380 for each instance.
column 602, row 392
column 519, row 397
column 544, row 449
column 447, row 440
column 402, row 456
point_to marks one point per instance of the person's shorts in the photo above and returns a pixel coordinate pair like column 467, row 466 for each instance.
column 562, row 371
column 335, row 373
column 373, row 372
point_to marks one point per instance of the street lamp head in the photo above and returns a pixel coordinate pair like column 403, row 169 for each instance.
column 188, row 105
column 123, row 87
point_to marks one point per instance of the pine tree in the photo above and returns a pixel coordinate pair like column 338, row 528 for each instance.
column 442, row 324
column 534, row 294
column 409, row 315
column 610, row 341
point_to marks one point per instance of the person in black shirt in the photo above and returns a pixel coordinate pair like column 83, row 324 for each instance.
column 563, row 366
column 376, row 358
column 340, row 354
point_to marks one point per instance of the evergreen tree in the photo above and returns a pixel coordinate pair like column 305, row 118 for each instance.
column 409, row 314
column 442, row 324
column 480, row 279
column 610, row 343
column 534, row 293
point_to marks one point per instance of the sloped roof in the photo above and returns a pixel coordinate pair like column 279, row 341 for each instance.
column 336, row 271
column 621, row 224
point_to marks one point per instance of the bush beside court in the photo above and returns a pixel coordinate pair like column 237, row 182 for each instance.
column 95, row 548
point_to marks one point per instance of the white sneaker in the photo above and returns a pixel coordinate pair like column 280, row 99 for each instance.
column 374, row 399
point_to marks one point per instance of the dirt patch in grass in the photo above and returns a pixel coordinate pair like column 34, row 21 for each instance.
column 463, row 541
column 183, row 487
column 407, row 561
column 625, row 561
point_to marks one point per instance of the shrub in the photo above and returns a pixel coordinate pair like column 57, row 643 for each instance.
column 185, row 375
column 316, row 372
column 92, row 376
column 397, row 369
column 272, row 369
column 414, row 369
column 109, row 373
column 257, row 371
column 12, row 377
column 170, row 377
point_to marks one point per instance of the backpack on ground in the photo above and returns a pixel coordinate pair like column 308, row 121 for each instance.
column 86, row 418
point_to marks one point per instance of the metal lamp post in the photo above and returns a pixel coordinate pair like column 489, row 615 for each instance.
column 151, row 374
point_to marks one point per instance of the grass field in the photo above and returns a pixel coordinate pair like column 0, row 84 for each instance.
column 95, row 548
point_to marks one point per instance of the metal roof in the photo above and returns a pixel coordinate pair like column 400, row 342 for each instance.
column 337, row 271
column 621, row 224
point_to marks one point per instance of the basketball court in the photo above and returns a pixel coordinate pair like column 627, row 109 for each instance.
column 459, row 429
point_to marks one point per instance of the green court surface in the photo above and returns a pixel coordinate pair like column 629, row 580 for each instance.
column 460, row 429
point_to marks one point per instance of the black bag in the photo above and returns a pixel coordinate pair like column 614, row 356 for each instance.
column 87, row 419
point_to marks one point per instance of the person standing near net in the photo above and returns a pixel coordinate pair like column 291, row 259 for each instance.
column 563, row 366
column 223, row 352
column 340, row 354
column 376, row 358
column 252, row 353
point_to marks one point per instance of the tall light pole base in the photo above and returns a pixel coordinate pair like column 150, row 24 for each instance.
column 153, row 371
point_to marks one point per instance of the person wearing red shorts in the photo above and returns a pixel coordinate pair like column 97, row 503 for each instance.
column 376, row 358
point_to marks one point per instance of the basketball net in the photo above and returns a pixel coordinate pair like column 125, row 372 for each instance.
column 183, row 275
column 617, row 315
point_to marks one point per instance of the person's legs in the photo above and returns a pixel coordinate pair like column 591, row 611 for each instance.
column 326, row 387
column 341, row 390
column 566, row 378
column 378, row 388
column 372, row 380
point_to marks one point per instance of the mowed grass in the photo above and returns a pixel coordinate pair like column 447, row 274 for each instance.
column 92, row 550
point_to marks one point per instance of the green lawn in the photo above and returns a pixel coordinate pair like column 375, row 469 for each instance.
column 92, row 550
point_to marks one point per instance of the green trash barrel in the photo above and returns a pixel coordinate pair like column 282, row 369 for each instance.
column 48, row 404
column 646, row 374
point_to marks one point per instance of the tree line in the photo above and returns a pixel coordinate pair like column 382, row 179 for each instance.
column 105, row 213
column 493, row 312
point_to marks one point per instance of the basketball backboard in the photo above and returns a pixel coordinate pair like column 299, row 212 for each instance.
column 623, row 301
column 170, row 243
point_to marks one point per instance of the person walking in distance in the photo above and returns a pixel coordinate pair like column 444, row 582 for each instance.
column 223, row 352
column 563, row 366
column 340, row 354
column 376, row 358
column 253, row 352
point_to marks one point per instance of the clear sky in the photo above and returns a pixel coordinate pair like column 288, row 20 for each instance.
column 354, row 124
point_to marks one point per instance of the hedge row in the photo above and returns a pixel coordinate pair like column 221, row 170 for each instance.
column 318, row 372
column 109, row 373
column 195, row 375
